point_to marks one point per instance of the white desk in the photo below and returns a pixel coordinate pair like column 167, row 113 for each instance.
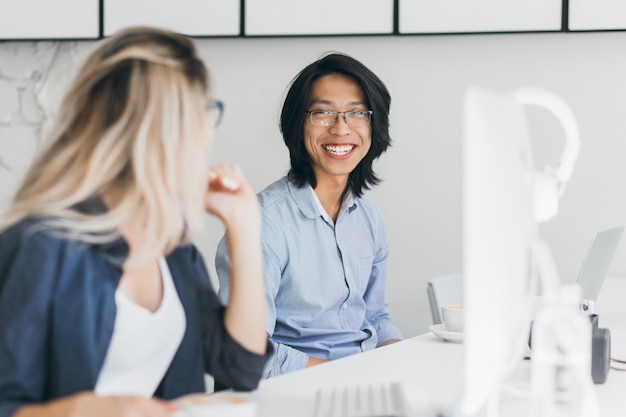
column 424, row 360
column 436, row 369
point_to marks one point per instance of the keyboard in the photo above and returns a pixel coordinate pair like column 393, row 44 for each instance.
column 380, row 399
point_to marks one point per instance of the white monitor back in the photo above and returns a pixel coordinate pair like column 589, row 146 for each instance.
column 498, row 231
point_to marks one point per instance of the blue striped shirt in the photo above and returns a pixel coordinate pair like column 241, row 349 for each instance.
column 325, row 282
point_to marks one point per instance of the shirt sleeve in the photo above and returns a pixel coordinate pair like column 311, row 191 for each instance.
column 222, row 267
column 26, row 278
column 286, row 358
column 376, row 295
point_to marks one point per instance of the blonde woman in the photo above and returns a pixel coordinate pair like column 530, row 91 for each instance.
column 106, row 308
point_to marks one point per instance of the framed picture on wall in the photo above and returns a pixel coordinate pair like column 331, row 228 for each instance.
column 478, row 16
column 319, row 17
column 596, row 15
column 191, row 17
column 49, row 19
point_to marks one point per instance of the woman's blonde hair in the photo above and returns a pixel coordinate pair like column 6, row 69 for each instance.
column 132, row 124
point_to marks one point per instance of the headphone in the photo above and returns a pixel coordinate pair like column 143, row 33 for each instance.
column 549, row 183
column 549, row 186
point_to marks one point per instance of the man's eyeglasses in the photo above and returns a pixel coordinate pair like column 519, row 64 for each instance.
column 354, row 118
column 216, row 110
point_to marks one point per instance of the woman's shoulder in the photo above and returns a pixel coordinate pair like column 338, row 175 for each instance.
column 32, row 231
column 31, row 252
column 39, row 240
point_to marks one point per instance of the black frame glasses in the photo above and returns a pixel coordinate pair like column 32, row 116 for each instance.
column 216, row 111
column 327, row 118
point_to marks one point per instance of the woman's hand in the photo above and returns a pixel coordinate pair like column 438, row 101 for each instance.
column 230, row 197
column 89, row 404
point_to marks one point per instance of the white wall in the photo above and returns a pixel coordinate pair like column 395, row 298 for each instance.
column 421, row 193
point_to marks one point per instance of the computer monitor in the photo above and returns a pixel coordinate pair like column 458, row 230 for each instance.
column 499, row 235
column 596, row 264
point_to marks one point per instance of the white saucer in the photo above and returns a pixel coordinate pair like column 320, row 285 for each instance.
column 440, row 331
column 222, row 404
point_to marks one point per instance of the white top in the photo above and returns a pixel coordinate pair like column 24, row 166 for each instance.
column 143, row 343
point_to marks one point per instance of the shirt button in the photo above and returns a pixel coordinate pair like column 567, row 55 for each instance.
column 344, row 306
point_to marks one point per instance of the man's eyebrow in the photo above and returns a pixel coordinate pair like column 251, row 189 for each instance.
column 322, row 101
column 330, row 103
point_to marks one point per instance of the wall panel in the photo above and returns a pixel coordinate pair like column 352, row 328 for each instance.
column 191, row 17
column 597, row 14
column 49, row 19
column 320, row 17
column 467, row 16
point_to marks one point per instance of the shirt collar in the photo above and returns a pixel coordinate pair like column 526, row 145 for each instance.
column 310, row 205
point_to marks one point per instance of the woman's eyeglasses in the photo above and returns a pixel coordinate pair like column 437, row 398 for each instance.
column 216, row 110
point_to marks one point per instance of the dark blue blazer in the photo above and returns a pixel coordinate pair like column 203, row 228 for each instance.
column 57, row 312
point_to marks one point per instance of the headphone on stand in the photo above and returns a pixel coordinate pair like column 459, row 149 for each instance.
column 549, row 183
column 549, row 186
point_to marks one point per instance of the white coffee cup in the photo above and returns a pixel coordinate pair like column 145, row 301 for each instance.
column 452, row 317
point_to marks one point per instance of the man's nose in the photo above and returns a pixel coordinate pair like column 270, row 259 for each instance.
column 341, row 125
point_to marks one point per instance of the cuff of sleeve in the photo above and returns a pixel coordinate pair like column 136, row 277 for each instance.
column 244, row 368
column 286, row 359
column 388, row 331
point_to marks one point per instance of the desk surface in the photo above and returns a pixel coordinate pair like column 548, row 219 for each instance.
column 430, row 369
column 423, row 361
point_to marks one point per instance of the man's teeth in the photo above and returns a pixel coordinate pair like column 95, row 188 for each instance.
column 339, row 150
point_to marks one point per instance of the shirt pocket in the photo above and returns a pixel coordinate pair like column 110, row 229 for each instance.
column 364, row 271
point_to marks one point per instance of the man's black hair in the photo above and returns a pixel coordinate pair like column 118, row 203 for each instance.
column 297, row 102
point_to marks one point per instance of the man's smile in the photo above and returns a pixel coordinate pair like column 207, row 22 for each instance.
column 338, row 150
